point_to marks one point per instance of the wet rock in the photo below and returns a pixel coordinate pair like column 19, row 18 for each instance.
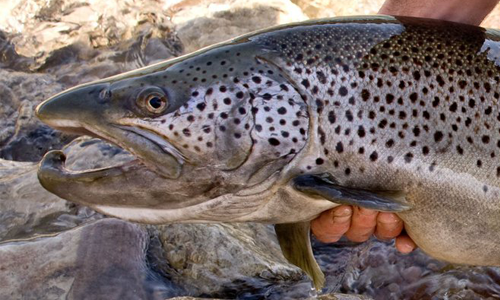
column 333, row 296
column 102, row 260
column 41, row 27
column 10, row 59
column 8, row 114
column 415, row 276
column 493, row 19
column 25, row 207
column 22, row 136
column 200, row 23
column 86, row 153
column 225, row 260
column 332, row 8
column 338, row 296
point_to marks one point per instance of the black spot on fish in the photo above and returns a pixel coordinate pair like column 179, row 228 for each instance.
column 361, row 131
column 365, row 95
column 408, row 157
column 453, row 107
column 349, row 116
column 425, row 150
column 281, row 110
column 201, row 106
column 305, row 83
column 413, row 97
column 389, row 143
column 274, row 142
column 438, row 136
column 339, row 147
column 256, row 79
column 389, row 98
column 416, row 131
column 331, row 117
column 343, row 91
column 267, row 96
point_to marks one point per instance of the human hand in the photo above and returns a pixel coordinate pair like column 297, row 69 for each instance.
column 359, row 224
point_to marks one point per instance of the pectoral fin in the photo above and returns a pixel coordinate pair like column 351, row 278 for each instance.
column 295, row 243
column 322, row 185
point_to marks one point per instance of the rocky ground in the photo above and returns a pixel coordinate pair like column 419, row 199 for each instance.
column 52, row 249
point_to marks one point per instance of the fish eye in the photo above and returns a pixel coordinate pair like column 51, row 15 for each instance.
column 153, row 100
column 156, row 103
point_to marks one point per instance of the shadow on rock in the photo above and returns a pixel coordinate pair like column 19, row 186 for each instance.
column 101, row 260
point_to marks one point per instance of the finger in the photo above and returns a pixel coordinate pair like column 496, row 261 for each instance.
column 389, row 226
column 405, row 244
column 332, row 224
column 362, row 224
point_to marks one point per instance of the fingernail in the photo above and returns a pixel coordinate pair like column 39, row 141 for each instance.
column 342, row 211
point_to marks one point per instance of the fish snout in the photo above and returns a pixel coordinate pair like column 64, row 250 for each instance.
column 73, row 107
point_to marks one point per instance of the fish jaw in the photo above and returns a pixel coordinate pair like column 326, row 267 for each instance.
column 149, row 198
column 88, row 110
column 105, row 186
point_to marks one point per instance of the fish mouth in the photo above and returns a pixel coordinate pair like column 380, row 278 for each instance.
column 151, row 150
column 52, row 168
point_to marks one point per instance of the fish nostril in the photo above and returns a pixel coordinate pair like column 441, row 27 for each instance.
column 105, row 94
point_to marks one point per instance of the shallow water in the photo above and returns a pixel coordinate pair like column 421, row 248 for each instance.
column 373, row 268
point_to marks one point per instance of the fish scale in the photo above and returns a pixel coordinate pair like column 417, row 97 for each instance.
column 389, row 113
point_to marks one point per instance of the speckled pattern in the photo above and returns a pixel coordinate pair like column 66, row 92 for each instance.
column 428, row 90
column 241, row 110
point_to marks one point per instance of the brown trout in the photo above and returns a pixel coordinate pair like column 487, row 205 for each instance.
column 389, row 113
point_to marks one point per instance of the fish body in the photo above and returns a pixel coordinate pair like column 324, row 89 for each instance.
column 396, row 114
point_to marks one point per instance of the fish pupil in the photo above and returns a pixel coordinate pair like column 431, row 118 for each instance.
column 156, row 102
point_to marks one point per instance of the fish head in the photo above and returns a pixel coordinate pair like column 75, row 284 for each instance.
column 204, row 128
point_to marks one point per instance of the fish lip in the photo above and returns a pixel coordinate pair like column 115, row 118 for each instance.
column 52, row 168
column 160, row 141
column 175, row 159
